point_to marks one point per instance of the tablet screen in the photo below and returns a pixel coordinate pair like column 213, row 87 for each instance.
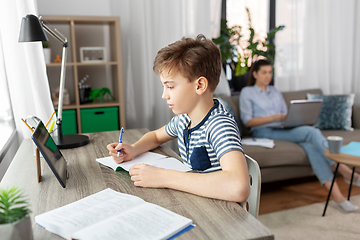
column 50, row 152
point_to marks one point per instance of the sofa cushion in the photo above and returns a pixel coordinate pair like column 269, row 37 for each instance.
column 347, row 135
column 335, row 112
column 282, row 154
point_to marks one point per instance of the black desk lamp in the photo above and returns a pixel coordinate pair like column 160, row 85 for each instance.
column 32, row 29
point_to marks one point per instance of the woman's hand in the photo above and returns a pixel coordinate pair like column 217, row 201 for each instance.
column 279, row 117
column 127, row 152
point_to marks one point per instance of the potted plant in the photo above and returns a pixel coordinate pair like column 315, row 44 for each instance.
column 15, row 221
column 47, row 51
column 239, row 53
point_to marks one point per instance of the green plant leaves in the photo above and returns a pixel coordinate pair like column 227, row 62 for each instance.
column 13, row 205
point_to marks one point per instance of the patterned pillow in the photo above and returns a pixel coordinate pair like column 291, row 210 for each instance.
column 335, row 112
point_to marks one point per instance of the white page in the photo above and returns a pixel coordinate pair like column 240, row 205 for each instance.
column 147, row 221
column 149, row 158
column 86, row 211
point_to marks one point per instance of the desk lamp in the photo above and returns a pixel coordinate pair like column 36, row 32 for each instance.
column 31, row 30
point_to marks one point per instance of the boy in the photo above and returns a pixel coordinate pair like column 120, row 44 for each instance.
column 208, row 137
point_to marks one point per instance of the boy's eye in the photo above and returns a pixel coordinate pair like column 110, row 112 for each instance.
column 170, row 87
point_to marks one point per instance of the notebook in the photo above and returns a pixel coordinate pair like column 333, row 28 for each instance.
column 50, row 152
column 301, row 112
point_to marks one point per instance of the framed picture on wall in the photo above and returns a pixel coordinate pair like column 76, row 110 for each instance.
column 92, row 54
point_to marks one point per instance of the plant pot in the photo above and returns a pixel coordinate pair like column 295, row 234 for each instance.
column 47, row 55
column 19, row 230
column 238, row 82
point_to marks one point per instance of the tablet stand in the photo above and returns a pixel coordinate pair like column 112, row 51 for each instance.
column 38, row 167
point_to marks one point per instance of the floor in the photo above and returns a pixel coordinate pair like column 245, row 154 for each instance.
column 284, row 195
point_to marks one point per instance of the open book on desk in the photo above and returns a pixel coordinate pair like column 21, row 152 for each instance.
column 150, row 158
column 109, row 215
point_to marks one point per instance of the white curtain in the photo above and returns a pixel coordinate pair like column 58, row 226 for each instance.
column 24, row 66
column 319, row 47
column 146, row 27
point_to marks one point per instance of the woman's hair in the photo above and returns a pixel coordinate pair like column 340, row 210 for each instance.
column 192, row 58
column 255, row 68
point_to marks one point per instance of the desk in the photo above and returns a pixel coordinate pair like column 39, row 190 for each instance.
column 214, row 219
column 347, row 159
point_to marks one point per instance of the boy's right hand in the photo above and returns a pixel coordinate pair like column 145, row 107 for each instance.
column 127, row 152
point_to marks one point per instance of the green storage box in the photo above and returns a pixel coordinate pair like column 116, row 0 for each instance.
column 99, row 119
column 68, row 125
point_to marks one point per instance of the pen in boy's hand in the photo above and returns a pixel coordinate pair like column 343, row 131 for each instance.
column 120, row 141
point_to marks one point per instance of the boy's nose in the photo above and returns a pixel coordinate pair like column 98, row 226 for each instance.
column 165, row 95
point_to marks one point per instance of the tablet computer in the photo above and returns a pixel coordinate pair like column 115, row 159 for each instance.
column 50, row 152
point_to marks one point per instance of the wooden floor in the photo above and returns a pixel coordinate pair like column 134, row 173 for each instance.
column 284, row 195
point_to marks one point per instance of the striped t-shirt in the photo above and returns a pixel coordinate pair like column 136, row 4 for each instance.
column 202, row 146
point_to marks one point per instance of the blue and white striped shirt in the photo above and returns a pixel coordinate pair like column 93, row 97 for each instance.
column 202, row 146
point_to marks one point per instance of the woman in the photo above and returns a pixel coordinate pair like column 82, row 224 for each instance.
column 263, row 106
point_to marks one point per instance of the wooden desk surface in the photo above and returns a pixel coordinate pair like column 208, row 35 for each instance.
column 214, row 219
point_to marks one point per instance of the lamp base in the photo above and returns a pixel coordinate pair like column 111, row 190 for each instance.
column 71, row 141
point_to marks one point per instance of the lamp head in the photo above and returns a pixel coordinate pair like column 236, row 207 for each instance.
column 31, row 29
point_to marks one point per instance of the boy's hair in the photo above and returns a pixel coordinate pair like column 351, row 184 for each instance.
column 192, row 58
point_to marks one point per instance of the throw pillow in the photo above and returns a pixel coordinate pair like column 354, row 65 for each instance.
column 229, row 109
column 335, row 112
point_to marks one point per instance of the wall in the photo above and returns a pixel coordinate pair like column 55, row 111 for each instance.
column 74, row 7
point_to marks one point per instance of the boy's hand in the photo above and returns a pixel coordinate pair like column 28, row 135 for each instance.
column 127, row 152
column 144, row 175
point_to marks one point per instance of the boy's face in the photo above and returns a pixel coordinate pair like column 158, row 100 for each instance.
column 179, row 93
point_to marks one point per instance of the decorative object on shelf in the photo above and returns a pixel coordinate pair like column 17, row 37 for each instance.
column 92, row 54
column 15, row 221
column 55, row 97
column 98, row 93
column 32, row 29
column 239, row 53
column 47, row 52
column 84, row 90
column 57, row 59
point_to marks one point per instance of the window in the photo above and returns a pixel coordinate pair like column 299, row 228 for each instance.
column 7, row 124
column 236, row 14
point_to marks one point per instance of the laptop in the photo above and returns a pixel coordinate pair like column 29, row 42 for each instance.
column 301, row 112
column 50, row 152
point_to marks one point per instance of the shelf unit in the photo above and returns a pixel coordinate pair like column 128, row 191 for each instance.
column 88, row 32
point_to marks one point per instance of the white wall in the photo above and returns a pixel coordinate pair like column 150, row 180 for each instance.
column 74, row 7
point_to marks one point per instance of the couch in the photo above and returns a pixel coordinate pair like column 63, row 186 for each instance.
column 288, row 160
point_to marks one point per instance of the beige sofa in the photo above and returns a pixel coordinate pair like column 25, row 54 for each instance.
column 288, row 160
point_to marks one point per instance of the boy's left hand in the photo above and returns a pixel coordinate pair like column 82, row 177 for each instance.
column 144, row 175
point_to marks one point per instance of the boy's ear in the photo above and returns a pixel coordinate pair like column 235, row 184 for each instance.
column 201, row 85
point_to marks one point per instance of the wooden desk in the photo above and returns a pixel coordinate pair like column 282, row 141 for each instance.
column 347, row 159
column 214, row 219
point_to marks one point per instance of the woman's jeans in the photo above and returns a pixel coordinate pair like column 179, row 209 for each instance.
column 310, row 139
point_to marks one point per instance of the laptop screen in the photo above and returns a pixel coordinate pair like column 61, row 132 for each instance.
column 50, row 152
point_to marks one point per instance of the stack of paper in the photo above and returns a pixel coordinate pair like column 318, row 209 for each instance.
column 263, row 142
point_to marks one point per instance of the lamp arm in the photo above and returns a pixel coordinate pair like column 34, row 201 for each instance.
column 64, row 41
column 54, row 34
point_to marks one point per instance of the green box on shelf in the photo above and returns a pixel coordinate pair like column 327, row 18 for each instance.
column 68, row 122
column 99, row 119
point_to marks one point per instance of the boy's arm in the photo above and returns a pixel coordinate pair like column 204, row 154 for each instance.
column 151, row 140
column 232, row 183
